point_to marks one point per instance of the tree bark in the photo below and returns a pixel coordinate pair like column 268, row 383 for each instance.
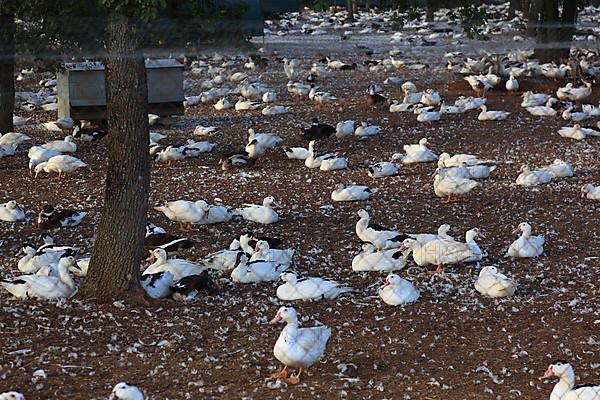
column 7, row 72
column 533, row 21
column 553, row 38
column 429, row 9
column 115, row 264
column 525, row 7
column 513, row 7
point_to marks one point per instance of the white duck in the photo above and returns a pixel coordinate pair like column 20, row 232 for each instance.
column 263, row 252
column 269, row 97
column 570, row 115
column 367, row 130
column 298, row 347
column 590, row 191
column 559, row 169
column 458, row 160
column 200, row 147
column 33, row 260
column 378, row 236
column 494, row 284
column 157, row 285
column 224, row 260
column 565, row 388
column 333, row 163
column 452, row 186
column 314, row 160
column 170, row 154
column 344, row 128
column 126, row 391
column 528, row 177
column 223, row 104
column 268, row 140
column 246, row 105
column 184, row 211
column 431, row 98
column 297, row 153
column 383, row 260
column 263, row 214
column 531, row 99
column 470, row 242
column 351, row 193
column 526, row 246
column 7, row 150
column 577, row 132
column 429, row 116
column 437, row 252
column 486, row 115
column 43, row 287
column 571, row 93
column 308, row 288
column 274, row 110
column 512, row 85
column 178, row 267
column 67, row 145
column 11, row 211
column 256, row 271
column 62, row 164
column 12, row 395
column 382, row 169
column 214, row 214
column 13, row 138
column 397, row 291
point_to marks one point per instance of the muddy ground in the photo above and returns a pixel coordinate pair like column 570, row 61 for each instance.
column 452, row 344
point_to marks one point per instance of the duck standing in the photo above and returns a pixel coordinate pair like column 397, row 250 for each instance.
column 297, row 347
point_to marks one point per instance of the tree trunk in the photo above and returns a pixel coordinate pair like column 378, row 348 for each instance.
column 552, row 39
column 525, row 7
column 513, row 7
column 568, row 19
column 534, row 15
column 430, row 9
column 7, row 72
column 115, row 264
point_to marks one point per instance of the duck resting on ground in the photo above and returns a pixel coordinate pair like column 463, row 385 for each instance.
column 51, row 217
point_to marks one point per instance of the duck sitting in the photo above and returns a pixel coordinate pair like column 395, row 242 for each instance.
column 63, row 146
column 367, row 130
column 397, row 291
column 431, row 98
column 264, row 252
column 62, row 164
column 559, row 169
column 297, row 347
column 351, row 193
column 314, row 160
column 188, row 288
column 36, row 259
column 494, row 284
column 309, row 288
column 178, row 267
column 157, row 285
column 12, row 395
column 274, row 110
column 13, row 138
column 333, row 163
column 263, row 214
column 89, row 133
column 578, row 132
column 378, row 236
column 215, row 214
column 565, row 388
column 590, row 191
column 569, row 92
column 184, row 211
column 344, row 128
column 166, row 241
column 470, row 237
column 486, row 115
column 437, row 252
column 531, row 99
column 316, row 131
column 369, row 259
column 246, row 105
column 248, row 242
column 426, row 115
column 374, row 98
column 7, row 150
column 11, row 211
column 528, row 177
column 41, row 286
column 526, row 246
column 256, row 271
column 458, row 160
column 169, row 155
column 383, row 168
column 297, row 153
column 236, row 160
column 451, row 186
column 416, row 153
column 52, row 218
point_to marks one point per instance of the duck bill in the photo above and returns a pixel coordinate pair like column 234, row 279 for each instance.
column 517, row 230
column 549, row 373
column 276, row 319
column 385, row 283
column 583, row 195
column 481, row 235
column 151, row 258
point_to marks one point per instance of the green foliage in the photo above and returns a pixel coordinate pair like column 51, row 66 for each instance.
column 473, row 21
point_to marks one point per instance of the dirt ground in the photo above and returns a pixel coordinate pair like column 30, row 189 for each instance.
column 452, row 344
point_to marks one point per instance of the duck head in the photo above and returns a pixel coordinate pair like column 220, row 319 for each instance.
column 524, row 228
column 363, row 214
column 407, row 244
column 126, row 391
column 268, row 201
column 558, row 368
column 391, row 280
column 289, row 277
column 586, row 189
column 286, row 314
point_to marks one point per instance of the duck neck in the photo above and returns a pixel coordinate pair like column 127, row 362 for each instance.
column 65, row 276
column 564, row 385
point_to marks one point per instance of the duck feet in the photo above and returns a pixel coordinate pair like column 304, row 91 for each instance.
column 294, row 379
column 283, row 374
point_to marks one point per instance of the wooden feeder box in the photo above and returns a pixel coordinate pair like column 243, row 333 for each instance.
column 82, row 92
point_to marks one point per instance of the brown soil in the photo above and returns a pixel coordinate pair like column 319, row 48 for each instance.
column 221, row 346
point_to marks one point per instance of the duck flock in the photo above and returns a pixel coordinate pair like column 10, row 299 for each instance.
column 274, row 181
